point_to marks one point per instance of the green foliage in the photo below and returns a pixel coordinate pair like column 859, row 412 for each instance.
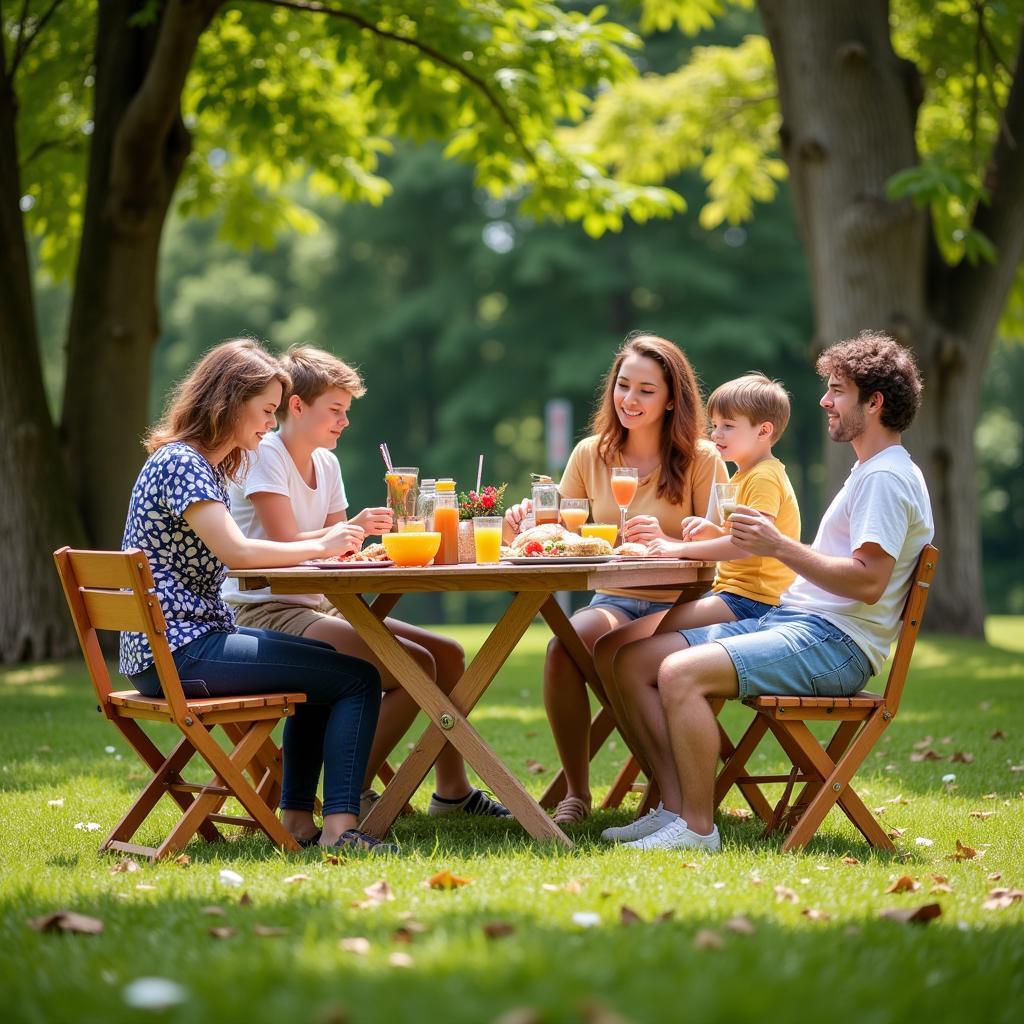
column 968, row 964
column 689, row 16
column 718, row 114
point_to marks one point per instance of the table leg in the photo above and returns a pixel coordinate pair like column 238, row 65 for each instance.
column 451, row 712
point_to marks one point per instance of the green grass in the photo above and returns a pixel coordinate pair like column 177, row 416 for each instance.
column 968, row 964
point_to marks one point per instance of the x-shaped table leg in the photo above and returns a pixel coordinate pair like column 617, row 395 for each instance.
column 448, row 714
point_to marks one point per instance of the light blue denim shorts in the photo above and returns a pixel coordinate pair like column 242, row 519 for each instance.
column 788, row 652
column 630, row 606
column 741, row 607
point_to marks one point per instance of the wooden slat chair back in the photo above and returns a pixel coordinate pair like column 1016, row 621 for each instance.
column 825, row 772
column 114, row 590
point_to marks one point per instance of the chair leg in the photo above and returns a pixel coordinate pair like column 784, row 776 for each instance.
column 732, row 773
column 151, row 756
column 623, row 783
column 837, row 746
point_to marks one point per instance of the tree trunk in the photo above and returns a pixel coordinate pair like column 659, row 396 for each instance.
column 849, row 111
column 36, row 514
column 137, row 152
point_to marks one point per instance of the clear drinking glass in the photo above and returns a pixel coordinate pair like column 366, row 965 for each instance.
column 726, row 496
column 574, row 512
column 625, row 480
column 545, row 503
column 487, row 539
column 401, row 483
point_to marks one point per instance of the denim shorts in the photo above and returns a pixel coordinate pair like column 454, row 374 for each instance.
column 630, row 606
column 788, row 652
column 741, row 607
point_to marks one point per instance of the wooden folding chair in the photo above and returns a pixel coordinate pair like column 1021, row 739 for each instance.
column 825, row 772
column 114, row 590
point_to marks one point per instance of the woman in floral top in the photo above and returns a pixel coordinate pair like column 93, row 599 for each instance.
column 179, row 516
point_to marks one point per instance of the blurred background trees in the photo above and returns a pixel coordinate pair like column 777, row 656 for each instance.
column 464, row 311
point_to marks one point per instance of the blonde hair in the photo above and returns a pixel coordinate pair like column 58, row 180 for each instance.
column 755, row 396
column 314, row 371
column 204, row 407
column 682, row 424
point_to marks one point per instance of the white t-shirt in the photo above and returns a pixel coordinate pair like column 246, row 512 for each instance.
column 273, row 471
column 885, row 501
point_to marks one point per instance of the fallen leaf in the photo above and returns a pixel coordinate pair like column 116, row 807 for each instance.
column 573, row 886
column 66, row 921
column 183, row 860
column 946, row 740
column 664, row 917
column 904, row 884
column 125, row 866
column 963, row 852
column 998, row 735
column 784, row 894
column 850, row 860
column 740, row 925
column 379, row 892
column 983, row 815
column 962, row 757
column 266, row 931
column 400, row 960
column 593, row 1012
column 295, row 879
column 923, row 744
column 534, row 767
column 627, row 915
column 245, row 900
column 994, row 877
column 813, row 914
column 940, row 887
column 1000, row 899
column 896, row 833
column 212, row 911
column 706, row 939
column 446, row 880
column 402, row 935
column 356, row 944
column 221, row 932
column 498, row 929
column 519, row 1015
column 926, row 755
column 912, row 915
column 743, row 813
column 939, row 879
column 1017, row 767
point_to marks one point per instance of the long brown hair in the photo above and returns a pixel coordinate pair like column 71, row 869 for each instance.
column 683, row 423
column 204, row 407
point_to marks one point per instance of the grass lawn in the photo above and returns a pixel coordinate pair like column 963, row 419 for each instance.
column 427, row 953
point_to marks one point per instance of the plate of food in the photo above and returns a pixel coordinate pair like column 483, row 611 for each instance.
column 559, row 560
column 630, row 552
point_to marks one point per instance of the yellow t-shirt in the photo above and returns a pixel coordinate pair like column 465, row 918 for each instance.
column 587, row 476
column 764, row 487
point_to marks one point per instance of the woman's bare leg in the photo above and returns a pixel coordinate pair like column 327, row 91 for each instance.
column 705, row 611
column 567, row 702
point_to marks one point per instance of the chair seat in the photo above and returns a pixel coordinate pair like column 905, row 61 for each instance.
column 132, row 700
column 864, row 700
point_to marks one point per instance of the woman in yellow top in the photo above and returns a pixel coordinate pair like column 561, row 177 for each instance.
column 650, row 417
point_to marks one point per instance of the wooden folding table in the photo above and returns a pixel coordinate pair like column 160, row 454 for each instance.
column 533, row 588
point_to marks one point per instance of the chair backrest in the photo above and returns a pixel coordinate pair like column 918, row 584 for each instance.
column 114, row 590
column 913, row 612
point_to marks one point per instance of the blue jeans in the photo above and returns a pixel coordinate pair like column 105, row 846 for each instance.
column 741, row 607
column 631, row 606
column 333, row 729
column 788, row 652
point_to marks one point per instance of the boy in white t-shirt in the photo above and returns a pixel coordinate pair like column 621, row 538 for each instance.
column 294, row 491
column 834, row 626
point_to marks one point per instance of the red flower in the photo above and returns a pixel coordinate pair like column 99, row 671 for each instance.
column 487, row 500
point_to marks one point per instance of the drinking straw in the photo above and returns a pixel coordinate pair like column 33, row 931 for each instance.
column 386, row 456
column 479, row 472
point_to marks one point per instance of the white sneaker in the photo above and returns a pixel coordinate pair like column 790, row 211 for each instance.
column 643, row 827
column 676, row 836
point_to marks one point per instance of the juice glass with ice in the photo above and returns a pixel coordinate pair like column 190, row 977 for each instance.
column 487, row 539
column 401, row 483
column 411, row 524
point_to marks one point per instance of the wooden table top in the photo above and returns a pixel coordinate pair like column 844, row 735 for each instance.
column 661, row 573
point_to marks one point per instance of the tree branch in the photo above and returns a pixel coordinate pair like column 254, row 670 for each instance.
column 26, row 40
column 71, row 142
column 314, row 7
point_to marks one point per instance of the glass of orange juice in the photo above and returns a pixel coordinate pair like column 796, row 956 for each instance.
column 625, row 480
column 574, row 512
column 411, row 524
column 487, row 539
column 607, row 531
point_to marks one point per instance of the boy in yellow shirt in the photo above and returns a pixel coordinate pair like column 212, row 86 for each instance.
column 748, row 416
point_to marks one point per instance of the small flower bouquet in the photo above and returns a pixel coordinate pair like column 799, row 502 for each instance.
column 489, row 501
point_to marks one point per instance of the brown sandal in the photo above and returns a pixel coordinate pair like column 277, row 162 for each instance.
column 571, row 811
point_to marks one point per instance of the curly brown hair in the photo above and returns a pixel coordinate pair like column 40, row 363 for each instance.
column 876, row 363
column 683, row 424
column 204, row 407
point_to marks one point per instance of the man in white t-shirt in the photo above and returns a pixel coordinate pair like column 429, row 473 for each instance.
column 835, row 624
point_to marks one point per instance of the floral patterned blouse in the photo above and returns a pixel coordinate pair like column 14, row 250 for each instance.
column 187, row 573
